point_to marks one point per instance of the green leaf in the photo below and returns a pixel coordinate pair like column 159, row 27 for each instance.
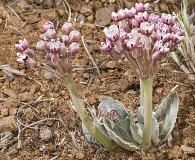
column 109, row 104
column 118, row 133
column 135, row 130
column 155, row 125
column 166, row 115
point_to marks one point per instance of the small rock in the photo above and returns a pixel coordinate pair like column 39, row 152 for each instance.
column 163, row 7
column 45, row 133
column 81, row 18
column 8, row 124
column 111, row 64
column 1, row 21
column 90, row 18
column 175, row 153
column 44, row 112
column 24, row 96
column 4, row 112
column 102, row 16
column 188, row 149
column 86, row 10
column 33, row 89
column 111, row 1
column 12, row 111
column 11, row 102
column 32, row 18
column 10, row 93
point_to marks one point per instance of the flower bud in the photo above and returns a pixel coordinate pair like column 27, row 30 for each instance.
column 153, row 18
column 74, row 36
column 131, row 12
column 106, row 47
column 29, row 53
column 135, row 23
column 65, row 39
column 67, row 27
column 123, row 34
column 139, row 7
column 50, row 34
column 176, row 37
column 48, row 25
column 74, row 47
column 23, row 45
column 32, row 63
column 54, row 58
column 41, row 46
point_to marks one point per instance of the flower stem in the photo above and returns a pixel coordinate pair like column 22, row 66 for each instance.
column 85, row 118
column 146, row 85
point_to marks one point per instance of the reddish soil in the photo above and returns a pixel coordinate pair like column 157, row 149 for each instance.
column 38, row 98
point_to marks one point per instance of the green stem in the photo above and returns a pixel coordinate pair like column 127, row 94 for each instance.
column 147, row 102
column 85, row 118
column 141, row 92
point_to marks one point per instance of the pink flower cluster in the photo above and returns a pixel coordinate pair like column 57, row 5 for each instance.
column 140, row 34
column 58, row 49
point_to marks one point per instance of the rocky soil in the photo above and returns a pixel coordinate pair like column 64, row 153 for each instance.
column 37, row 120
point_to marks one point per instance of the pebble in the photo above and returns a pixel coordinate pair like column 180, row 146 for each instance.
column 10, row 93
column 111, row 64
column 86, row 10
column 102, row 16
column 8, row 124
column 44, row 112
column 163, row 7
column 45, row 133
column 4, row 112
column 90, row 18
column 111, row 1
column 12, row 111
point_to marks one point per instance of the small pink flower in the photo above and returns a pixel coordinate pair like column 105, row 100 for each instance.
column 74, row 36
column 146, row 28
column 114, row 16
column 21, row 57
column 168, row 18
column 67, row 27
column 162, row 35
column 122, row 14
column 177, row 28
column 23, row 45
column 106, row 47
column 153, row 18
column 123, row 34
column 131, row 12
column 135, row 23
column 176, row 37
column 54, row 46
column 112, row 33
column 48, row 25
column 132, row 42
column 141, row 16
column 139, row 7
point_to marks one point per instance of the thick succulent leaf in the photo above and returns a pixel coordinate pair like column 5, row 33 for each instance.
column 166, row 115
column 135, row 130
column 155, row 131
column 101, row 127
column 119, row 135
column 87, row 135
column 109, row 104
column 140, row 114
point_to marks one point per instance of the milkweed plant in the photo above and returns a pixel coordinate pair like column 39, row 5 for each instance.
column 144, row 39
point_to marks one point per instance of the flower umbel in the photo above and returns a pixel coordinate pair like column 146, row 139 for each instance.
column 139, row 33
column 58, row 49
